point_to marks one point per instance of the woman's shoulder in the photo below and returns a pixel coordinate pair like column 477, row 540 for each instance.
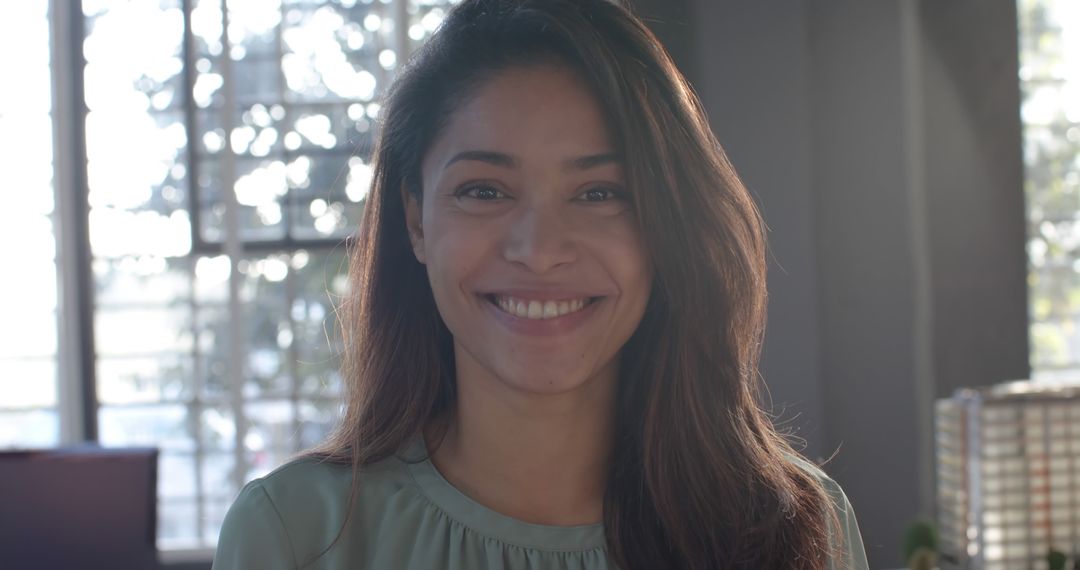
column 303, row 484
column 850, row 552
column 288, row 516
column 818, row 473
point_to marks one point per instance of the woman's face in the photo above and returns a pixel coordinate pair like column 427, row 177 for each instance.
column 529, row 235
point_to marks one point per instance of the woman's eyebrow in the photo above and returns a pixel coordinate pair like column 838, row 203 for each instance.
column 593, row 160
column 507, row 161
column 488, row 156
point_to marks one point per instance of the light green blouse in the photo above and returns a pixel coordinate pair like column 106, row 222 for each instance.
column 409, row 516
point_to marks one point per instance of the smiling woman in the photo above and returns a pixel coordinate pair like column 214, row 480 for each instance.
column 552, row 344
column 523, row 210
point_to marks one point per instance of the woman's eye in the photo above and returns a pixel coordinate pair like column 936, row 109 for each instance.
column 485, row 193
column 600, row 195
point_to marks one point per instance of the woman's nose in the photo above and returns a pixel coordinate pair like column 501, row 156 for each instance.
column 540, row 240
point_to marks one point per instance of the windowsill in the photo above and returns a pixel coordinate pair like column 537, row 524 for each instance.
column 184, row 556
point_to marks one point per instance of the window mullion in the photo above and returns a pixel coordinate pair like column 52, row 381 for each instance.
column 77, row 397
column 191, row 126
column 195, row 408
column 293, row 356
column 401, row 29
column 234, row 249
column 290, row 277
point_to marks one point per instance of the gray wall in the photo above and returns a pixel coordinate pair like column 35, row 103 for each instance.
column 882, row 140
column 976, row 229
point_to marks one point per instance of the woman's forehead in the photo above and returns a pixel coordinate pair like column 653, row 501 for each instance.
column 531, row 111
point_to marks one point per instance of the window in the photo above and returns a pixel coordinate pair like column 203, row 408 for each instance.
column 1050, row 86
column 214, row 326
column 28, row 366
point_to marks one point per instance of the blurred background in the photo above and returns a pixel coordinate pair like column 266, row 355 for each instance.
column 182, row 174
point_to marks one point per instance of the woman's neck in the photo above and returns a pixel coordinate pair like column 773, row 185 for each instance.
column 540, row 458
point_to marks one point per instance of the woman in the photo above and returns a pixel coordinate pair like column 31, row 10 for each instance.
column 553, row 335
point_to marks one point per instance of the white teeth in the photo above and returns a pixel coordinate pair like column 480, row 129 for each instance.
column 538, row 309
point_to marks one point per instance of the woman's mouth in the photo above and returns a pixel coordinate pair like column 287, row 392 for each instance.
column 539, row 310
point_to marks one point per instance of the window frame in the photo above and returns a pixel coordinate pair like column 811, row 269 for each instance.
column 78, row 405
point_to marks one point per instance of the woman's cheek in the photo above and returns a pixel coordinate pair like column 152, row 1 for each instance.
column 460, row 242
column 618, row 229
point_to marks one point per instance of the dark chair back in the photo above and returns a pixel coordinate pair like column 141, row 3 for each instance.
column 80, row 507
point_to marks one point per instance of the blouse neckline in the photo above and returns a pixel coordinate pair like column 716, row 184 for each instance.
column 488, row 522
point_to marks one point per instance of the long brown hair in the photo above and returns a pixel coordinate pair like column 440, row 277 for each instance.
column 699, row 478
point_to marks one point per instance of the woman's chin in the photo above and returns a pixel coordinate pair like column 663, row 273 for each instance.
column 544, row 386
column 544, row 379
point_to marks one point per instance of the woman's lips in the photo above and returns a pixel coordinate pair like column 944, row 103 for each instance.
column 530, row 315
column 537, row 309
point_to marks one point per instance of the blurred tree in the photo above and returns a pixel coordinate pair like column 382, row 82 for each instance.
column 1050, row 85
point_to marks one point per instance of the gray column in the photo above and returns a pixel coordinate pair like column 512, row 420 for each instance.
column 882, row 141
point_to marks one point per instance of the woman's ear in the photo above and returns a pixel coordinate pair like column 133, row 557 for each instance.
column 414, row 224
